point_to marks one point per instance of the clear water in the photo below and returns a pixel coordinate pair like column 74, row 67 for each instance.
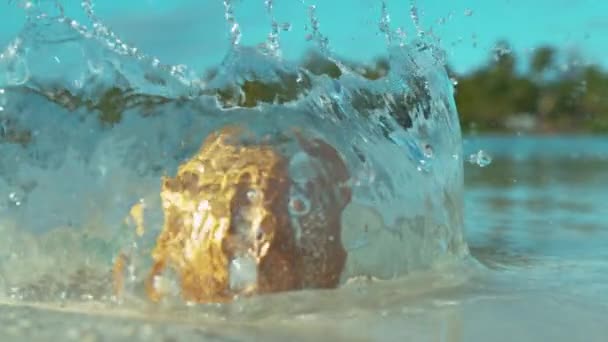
column 89, row 125
column 535, row 222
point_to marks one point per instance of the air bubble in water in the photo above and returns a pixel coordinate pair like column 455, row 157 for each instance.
column 480, row 158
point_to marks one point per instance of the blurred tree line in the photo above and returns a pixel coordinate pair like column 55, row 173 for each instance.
column 549, row 96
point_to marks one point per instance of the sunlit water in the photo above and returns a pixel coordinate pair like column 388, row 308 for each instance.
column 89, row 125
column 535, row 221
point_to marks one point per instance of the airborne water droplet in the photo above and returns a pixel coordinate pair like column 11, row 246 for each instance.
column 15, row 198
column 480, row 158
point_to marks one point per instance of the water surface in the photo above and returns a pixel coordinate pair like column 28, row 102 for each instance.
column 535, row 223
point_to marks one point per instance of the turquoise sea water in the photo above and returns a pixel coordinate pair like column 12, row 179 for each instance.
column 541, row 197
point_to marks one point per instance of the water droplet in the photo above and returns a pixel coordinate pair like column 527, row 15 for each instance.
column 243, row 272
column 414, row 15
column 235, row 32
column 385, row 23
column 253, row 195
column 501, row 50
column 480, row 158
column 315, row 34
column 424, row 166
column 15, row 198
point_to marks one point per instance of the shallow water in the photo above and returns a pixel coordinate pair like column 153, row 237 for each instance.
column 535, row 222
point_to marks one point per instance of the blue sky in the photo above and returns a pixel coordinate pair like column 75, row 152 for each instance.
column 194, row 31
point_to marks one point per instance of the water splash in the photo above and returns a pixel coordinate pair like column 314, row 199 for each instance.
column 233, row 26
column 315, row 32
column 272, row 44
column 415, row 16
column 96, row 118
column 385, row 23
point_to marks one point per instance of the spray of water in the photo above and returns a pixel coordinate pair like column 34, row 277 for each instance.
column 107, row 120
column 233, row 25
